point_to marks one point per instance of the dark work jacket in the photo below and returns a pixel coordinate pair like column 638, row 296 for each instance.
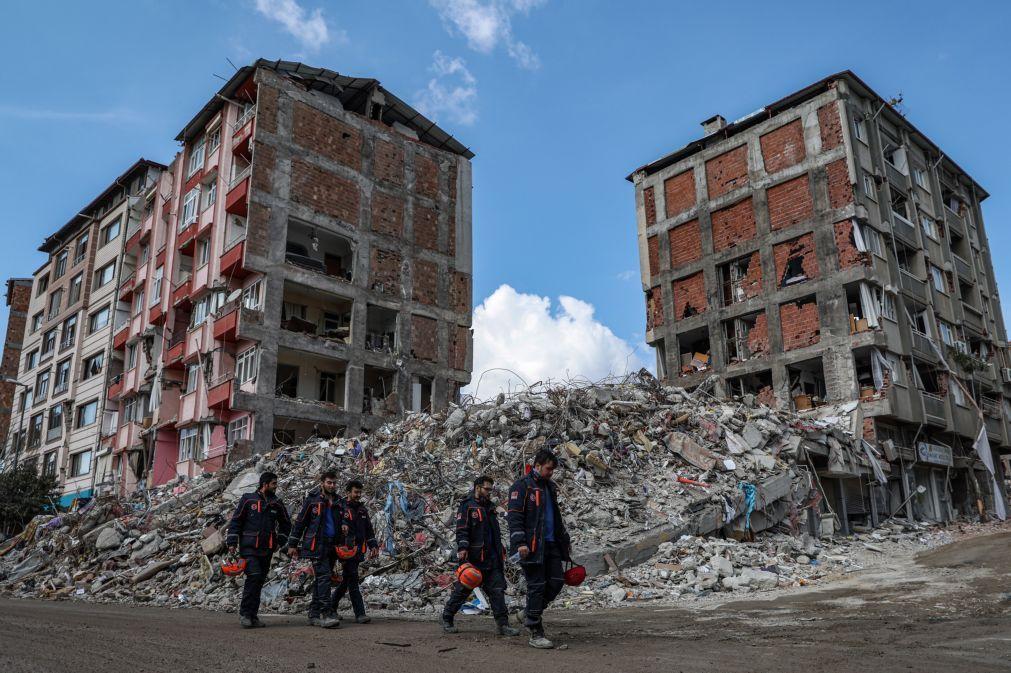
column 359, row 527
column 259, row 525
column 528, row 500
column 476, row 522
column 307, row 534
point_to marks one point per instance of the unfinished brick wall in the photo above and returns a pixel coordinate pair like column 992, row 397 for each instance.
column 789, row 203
column 799, row 250
column 840, row 190
column 258, row 241
column 426, row 176
column 767, row 397
column 649, row 203
column 451, row 232
column 458, row 338
column 829, row 126
column 18, row 299
column 733, row 225
column 654, row 308
column 849, row 256
column 387, row 214
column 783, row 147
column 388, row 162
column 870, row 430
column 329, row 137
column 799, row 324
column 653, row 254
column 751, row 285
column 727, row 172
column 758, row 337
column 266, row 108
column 425, row 338
column 264, row 160
column 385, row 269
column 459, row 292
column 689, row 296
column 679, row 193
column 426, row 227
column 324, row 192
column 426, row 282
column 685, row 241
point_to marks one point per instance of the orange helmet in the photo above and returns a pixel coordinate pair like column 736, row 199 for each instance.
column 232, row 567
column 346, row 553
column 469, row 576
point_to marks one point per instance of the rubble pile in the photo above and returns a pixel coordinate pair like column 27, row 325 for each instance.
column 636, row 457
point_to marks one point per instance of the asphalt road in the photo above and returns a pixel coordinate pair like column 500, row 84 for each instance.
column 947, row 611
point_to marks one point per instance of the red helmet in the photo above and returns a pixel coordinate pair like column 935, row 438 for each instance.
column 345, row 553
column 575, row 575
column 232, row 567
column 469, row 576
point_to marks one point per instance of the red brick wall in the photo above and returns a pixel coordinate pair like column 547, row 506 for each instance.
column 758, row 337
column 425, row 338
column 458, row 346
column 426, row 227
column 262, row 177
column 799, row 324
column 649, row 200
column 459, row 292
column 679, row 193
column 266, row 108
column 426, row 282
column 752, row 284
column 387, row 214
column 689, row 296
column 790, row 203
column 385, row 268
column 451, row 232
column 870, row 431
column 849, row 256
column 801, row 246
column 840, row 191
column 653, row 253
column 324, row 192
column 388, row 162
column 727, row 172
column 829, row 126
column 258, row 240
column 733, row 224
column 685, row 241
column 329, row 137
column 783, row 147
column 426, row 176
column 654, row 308
column 18, row 300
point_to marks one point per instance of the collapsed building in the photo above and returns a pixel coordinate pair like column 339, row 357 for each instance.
column 823, row 251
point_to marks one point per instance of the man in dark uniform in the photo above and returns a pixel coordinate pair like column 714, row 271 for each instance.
column 479, row 542
column 537, row 533
column 360, row 536
column 318, row 530
column 259, row 525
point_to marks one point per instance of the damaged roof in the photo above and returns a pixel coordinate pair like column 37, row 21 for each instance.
column 343, row 87
column 792, row 100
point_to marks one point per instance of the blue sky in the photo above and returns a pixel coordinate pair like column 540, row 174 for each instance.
column 560, row 100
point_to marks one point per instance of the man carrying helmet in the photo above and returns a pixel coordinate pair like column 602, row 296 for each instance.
column 259, row 525
column 362, row 540
column 537, row 534
column 480, row 550
column 318, row 529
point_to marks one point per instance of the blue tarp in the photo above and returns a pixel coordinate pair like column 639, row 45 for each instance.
column 68, row 499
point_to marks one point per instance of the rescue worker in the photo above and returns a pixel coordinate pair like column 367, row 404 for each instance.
column 360, row 536
column 318, row 530
column 479, row 542
column 537, row 534
column 259, row 525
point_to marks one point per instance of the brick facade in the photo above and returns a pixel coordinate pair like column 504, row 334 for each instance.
column 790, row 203
column 727, row 172
column 689, row 296
column 426, row 177
column 783, row 147
column 849, row 256
column 426, row 227
column 649, row 203
column 679, row 193
column 653, row 254
column 733, row 225
column 388, row 162
column 324, row 192
column 685, row 241
column 329, row 137
column 801, row 249
column 426, row 282
column 840, row 190
column 829, row 126
column 424, row 338
column 385, row 270
column 799, row 323
column 758, row 337
column 387, row 214
column 654, row 308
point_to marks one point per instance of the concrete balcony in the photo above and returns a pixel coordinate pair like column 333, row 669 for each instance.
column 219, row 395
column 963, row 268
column 115, row 388
column 233, row 260
column 913, row 286
column 905, row 230
column 922, row 346
column 127, row 436
column 237, row 200
column 973, row 319
column 121, row 336
column 181, row 291
column 954, row 221
column 226, row 323
column 935, row 409
column 187, row 237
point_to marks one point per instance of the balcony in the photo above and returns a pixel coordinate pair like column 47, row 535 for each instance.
column 994, row 428
column 905, row 230
column 915, row 287
column 243, row 125
column 963, row 268
column 922, row 345
column 134, row 233
column 219, row 395
column 187, row 236
column 181, row 291
column 954, row 221
column 122, row 334
column 156, row 315
column 972, row 318
column 226, row 324
column 231, row 264
column 115, row 387
column 935, row 408
column 127, row 286
column 176, row 347
column 237, row 201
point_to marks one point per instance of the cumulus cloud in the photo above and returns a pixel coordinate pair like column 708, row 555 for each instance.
column 308, row 28
column 536, row 341
column 451, row 92
column 487, row 24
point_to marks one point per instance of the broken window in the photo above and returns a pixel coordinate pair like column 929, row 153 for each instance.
column 875, row 372
column 380, row 398
column 807, row 383
column 736, row 284
column 899, row 204
column 746, row 337
column 866, row 304
column 380, row 328
column 894, row 152
column 694, row 351
column 286, row 384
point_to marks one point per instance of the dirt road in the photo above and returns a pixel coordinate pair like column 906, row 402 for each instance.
column 949, row 610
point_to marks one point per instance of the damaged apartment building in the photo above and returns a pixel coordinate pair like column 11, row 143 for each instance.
column 301, row 269
column 822, row 251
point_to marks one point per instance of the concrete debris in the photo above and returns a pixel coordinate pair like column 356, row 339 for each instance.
column 646, row 478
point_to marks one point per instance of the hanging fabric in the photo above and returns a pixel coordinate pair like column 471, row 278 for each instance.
column 858, row 237
column 879, row 473
column 869, row 304
column 982, row 447
column 879, row 363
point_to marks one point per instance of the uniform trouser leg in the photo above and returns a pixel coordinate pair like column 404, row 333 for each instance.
column 494, row 585
column 349, row 585
column 544, row 583
column 256, row 575
column 321, row 567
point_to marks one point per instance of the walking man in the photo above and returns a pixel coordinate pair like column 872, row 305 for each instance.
column 479, row 542
column 362, row 538
column 537, row 533
column 259, row 525
column 318, row 529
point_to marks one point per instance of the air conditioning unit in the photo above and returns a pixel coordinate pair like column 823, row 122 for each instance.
column 1005, row 374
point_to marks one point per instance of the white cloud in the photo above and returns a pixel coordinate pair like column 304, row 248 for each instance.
column 524, row 333
column 627, row 275
column 451, row 93
column 308, row 28
column 33, row 114
column 486, row 24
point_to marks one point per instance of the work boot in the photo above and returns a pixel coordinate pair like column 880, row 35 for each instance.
column 329, row 621
column 448, row 626
column 506, row 630
column 362, row 619
column 539, row 641
column 246, row 622
column 314, row 620
column 257, row 623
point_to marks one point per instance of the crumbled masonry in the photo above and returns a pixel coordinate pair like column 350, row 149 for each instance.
column 645, row 471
